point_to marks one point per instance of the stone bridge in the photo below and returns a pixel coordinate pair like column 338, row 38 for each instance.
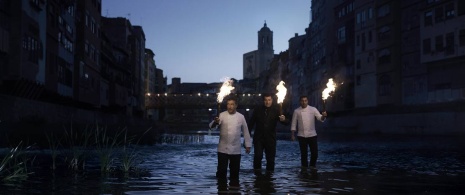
column 199, row 100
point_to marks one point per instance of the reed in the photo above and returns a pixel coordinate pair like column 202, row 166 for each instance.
column 78, row 144
column 105, row 147
column 130, row 157
column 54, row 143
column 13, row 166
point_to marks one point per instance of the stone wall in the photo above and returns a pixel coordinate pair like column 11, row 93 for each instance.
column 24, row 119
column 15, row 109
column 428, row 123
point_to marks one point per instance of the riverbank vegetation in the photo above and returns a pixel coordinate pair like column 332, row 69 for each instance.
column 74, row 150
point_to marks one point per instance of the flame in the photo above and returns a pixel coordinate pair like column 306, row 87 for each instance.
column 330, row 87
column 225, row 89
column 281, row 92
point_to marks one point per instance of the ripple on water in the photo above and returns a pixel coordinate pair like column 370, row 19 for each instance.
column 187, row 164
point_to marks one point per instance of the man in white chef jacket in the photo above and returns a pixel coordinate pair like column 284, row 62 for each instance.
column 303, row 120
column 232, row 124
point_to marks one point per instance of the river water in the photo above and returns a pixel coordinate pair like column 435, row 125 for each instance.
column 186, row 164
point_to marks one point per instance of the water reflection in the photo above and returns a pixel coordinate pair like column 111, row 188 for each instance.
column 347, row 165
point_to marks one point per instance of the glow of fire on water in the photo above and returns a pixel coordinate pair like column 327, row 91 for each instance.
column 225, row 89
column 281, row 92
column 330, row 87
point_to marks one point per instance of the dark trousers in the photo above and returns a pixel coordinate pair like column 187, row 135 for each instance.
column 305, row 143
column 234, row 161
column 270, row 154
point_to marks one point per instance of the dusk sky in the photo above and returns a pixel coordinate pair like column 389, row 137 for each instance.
column 204, row 40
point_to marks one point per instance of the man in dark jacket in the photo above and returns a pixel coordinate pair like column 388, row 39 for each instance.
column 263, row 121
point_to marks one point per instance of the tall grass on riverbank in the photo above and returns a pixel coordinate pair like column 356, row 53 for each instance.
column 54, row 143
column 78, row 143
column 13, row 166
column 105, row 146
column 113, row 149
column 129, row 156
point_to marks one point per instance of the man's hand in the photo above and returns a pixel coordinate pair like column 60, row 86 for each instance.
column 324, row 114
column 282, row 118
column 292, row 136
column 247, row 150
column 217, row 120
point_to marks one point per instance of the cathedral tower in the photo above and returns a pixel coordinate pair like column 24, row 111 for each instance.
column 255, row 62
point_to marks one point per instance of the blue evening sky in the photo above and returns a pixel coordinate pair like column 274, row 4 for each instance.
column 204, row 40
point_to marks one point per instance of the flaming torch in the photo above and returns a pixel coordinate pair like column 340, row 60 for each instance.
column 281, row 94
column 330, row 87
column 225, row 90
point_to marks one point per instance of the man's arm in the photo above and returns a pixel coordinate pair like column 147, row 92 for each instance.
column 215, row 123
column 246, row 133
column 252, row 121
column 293, row 125
column 319, row 116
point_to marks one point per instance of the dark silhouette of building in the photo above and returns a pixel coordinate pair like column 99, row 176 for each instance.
column 131, row 40
column 87, row 61
column 255, row 62
column 63, row 52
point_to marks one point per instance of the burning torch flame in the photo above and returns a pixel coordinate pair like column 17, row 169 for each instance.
column 330, row 87
column 281, row 92
column 225, row 89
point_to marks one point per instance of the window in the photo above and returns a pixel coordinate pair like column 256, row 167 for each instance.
column 86, row 48
column 341, row 34
column 60, row 20
column 359, row 80
column 460, row 8
column 450, row 43
column 69, row 29
column 87, row 19
column 364, row 16
column 68, row 44
column 369, row 36
column 462, row 37
column 358, row 40
column 60, row 37
column 92, row 26
column 33, row 48
column 428, row 18
column 449, row 10
column 426, row 46
column 71, row 10
column 359, row 64
column 97, row 57
column 91, row 52
column 384, row 85
column 439, row 14
column 60, row 71
column 384, row 33
column 384, row 10
column 363, row 42
column 439, row 43
column 384, row 56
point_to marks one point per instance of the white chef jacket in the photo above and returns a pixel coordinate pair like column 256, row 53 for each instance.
column 304, row 119
column 230, row 132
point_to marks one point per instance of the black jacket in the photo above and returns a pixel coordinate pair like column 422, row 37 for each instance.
column 263, row 122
